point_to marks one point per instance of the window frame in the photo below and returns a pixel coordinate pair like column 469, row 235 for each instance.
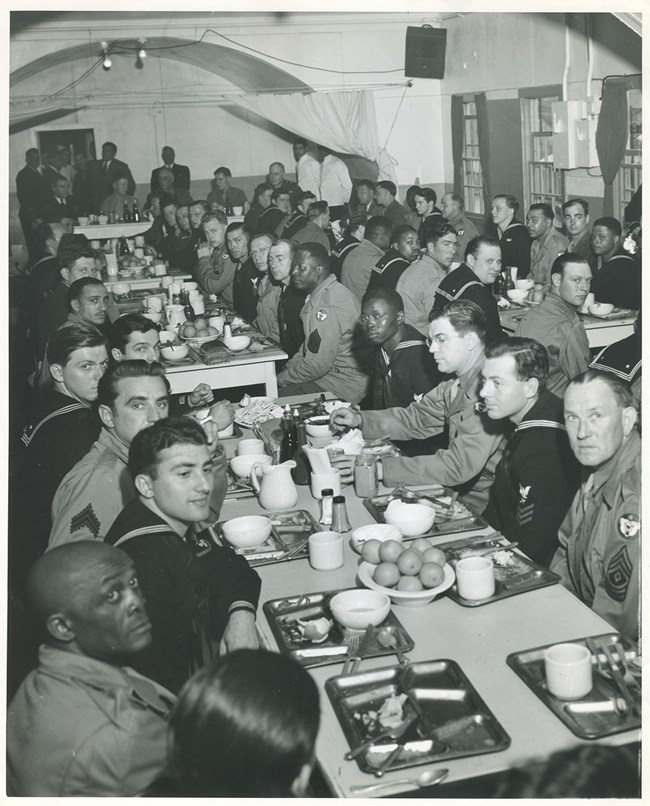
column 533, row 168
column 471, row 162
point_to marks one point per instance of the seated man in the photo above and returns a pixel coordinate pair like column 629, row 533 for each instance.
column 315, row 230
column 331, row 359
column 576, row 220
column 538, row 475
column 61, row 204
column 277, row 179
column 277, row 215
column 547, row 243
column 473, row 279
column 457, row 336
column 44, row 272
column 617, row 273
column 403, row 251
column 363, row 199
column 453, row 209
column 224, row 194
column 600, row 540
column 182, row 254
column 119, row 200
column 425, row 206
column 215, row 270
column 555, row 322
column 298, row 219
column 513, row 235
column 196, row 211
column 84, row 723
column 404, row 369
column 261, row 200
column 278, row 311
column 180, row 571
column 418, row 284
column 359, row 263
column 167, row 186
column 132, row 396
column 352, row 237
column 396, row 213
column 246, row 276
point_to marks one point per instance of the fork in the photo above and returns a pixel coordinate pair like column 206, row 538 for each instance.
column 629, row 678
column 353, row 645
column 618, row 679
column 393, row 733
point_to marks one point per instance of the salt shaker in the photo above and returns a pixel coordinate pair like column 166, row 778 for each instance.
column 340, row 521
column 326, row 506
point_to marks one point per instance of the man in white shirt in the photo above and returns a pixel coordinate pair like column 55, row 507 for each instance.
column 307, row 168
column 335, row 184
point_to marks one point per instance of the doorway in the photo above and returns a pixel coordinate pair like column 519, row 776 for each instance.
column 79, row 141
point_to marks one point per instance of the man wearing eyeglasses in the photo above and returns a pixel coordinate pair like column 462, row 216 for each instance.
column 457, row 339
column 332, row 358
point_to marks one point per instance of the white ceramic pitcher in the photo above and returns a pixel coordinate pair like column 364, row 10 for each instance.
column 276, row 491
column 175, row 315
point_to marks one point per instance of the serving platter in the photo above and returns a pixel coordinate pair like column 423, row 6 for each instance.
column 288, row 539
column 288, row 616
column 593, row 716
column 514, row 573
column 451, row 515
column 452, row 721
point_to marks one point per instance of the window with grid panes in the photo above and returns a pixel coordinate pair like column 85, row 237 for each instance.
column 542, row 181
column 628, row 178
column 472, row 173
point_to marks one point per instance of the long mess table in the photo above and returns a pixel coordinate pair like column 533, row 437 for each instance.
column 600, row 332
column 479, row 639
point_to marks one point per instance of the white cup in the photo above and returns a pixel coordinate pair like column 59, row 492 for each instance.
column 167, row 281
column 568, row 671
column 103, row 219
column 194, row 293
column 217, row 322
column 139, row 240
column 237, row 210
column 247, row 447
column 198, row 305
column 326, row 551
column 111, row 264
column 475, row 578
column 589, row 301
column 154, row 304
column 323, row 481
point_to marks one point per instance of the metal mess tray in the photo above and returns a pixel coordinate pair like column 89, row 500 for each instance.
column 290, row 531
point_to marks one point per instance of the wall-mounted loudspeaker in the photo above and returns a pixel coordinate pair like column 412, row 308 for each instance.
column 425, row 52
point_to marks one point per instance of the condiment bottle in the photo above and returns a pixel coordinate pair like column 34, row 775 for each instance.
column 289, row 438
column 301, row 471
column 366, row 483
column 326, row 506
column 340, row 520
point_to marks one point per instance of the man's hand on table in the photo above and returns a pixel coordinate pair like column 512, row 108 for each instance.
column 222, row 414
column 203, row 250
column 345, row 464
column 240, row 632
column 342, row 420
column 201, row 395
column 212, row 433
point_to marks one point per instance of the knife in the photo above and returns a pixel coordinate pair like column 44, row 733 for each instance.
column 363, row 648
column 429, row 729
column 521, row 579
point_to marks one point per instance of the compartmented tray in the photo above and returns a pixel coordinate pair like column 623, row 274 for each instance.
column 283, row 615
column 514, row 573
column 595, row 715
column 452, row 720
column 451, row 515
column 290, row 530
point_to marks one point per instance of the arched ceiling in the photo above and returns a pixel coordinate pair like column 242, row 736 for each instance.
column 245, row 71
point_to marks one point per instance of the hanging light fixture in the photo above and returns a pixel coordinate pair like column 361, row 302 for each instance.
column 107, row 63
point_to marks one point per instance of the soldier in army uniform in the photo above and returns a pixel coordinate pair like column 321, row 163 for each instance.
column 547, row 244
column 600, row 539
column 215, row 270
column 332, row 359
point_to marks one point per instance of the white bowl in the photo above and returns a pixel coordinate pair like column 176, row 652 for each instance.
column 318, row 426
column 517, row 295
column 227, row 432
column 601, row 308
column 83, row 220
column 247, row 532
column 241, row 465
column 406, row 598
column 176, row 353
column 237, row 343
column 102, row 219
column 153, row 316
column 196, row 341
column 190, row 285
column 374, row 531
column 410, row 519
column 524, row 285
column 358, row 608
column 120, row 289
column 167, row 336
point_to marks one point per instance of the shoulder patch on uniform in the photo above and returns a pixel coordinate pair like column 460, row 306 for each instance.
column 85, row 519
column 313, row 343
column 321, row 315
column 629, row 525
column 618, row 575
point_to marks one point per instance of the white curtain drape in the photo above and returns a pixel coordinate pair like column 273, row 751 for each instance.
column 343, row 121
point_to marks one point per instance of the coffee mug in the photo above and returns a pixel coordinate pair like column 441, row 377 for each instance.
column 475, row 578
column 326, row 551
column 247, row 447
column 159, row 269
column 568, row 671
column 111, row 264
column 154, row 304
column 167, row 281
column 323, row 481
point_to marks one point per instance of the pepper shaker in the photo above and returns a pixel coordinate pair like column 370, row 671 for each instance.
column 340, row 520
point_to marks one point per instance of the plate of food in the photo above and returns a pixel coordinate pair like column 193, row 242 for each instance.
column 255, row 410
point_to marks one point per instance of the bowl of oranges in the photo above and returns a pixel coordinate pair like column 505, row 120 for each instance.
column 411, row 575
column 198, row 332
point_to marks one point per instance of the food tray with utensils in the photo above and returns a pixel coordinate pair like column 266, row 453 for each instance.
column 514, row 573
column 616, row 313
column 602, row 712
column 237, row 487
column 437, row 707
column 295, row 618
column 289, row 538
column 451, row 515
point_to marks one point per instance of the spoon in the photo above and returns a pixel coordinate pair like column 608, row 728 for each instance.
column 424, row 779
column 386, row 639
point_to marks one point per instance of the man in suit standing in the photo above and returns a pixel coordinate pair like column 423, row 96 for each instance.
column 181, row 172
column 33, row 192
column 102, row 173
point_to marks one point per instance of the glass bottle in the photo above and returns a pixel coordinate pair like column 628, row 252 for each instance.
column 122, row 248
column 366, row 483
column 301, row 472
column 188, row 310
column 289, row 437
column 136, row 212
column 126, row 214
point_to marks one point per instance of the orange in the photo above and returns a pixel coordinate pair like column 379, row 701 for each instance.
column 390, row 551
column 434, row 555
column 370, row 551
column 411, row 584
column 431, row 575
column 386, row 574
column 421, row 544
column 409, row 562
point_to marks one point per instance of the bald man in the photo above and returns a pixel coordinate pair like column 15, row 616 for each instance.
column 84, row 723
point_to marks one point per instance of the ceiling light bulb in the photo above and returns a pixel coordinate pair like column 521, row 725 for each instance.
column 142, row 53
column 107, row 63
column 103, row 45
